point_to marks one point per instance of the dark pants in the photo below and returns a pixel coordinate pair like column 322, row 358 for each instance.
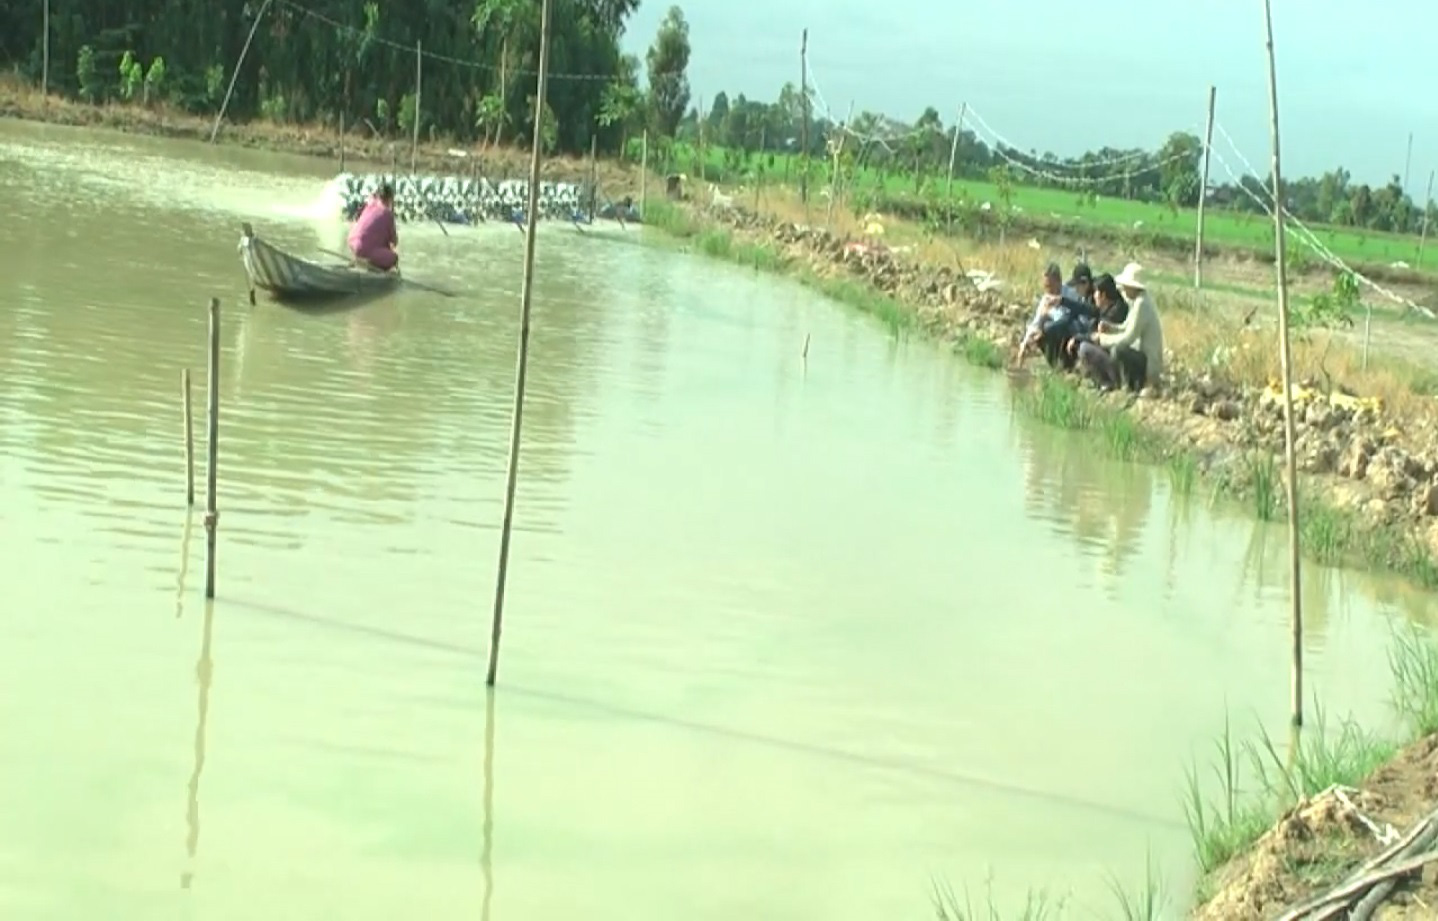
column 1108, row 369
column 1053, row 340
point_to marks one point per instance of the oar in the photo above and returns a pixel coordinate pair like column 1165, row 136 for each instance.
column 403, row 279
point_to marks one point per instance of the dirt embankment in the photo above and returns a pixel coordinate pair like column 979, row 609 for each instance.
column 362, row 150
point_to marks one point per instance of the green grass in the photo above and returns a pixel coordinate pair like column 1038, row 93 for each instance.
column 1413, row 659
column 1115, row 217
column 1038, row 905
column 1223, row 826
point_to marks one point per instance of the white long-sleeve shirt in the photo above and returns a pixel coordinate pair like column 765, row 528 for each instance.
column 1140, row 330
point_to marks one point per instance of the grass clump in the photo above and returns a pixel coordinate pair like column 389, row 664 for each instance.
column 1263, row 476
column 1038, row 905
column 1148, row 903
column 981, row 352
column 1414, row 661
column 1056, row 402
column 1223, row 829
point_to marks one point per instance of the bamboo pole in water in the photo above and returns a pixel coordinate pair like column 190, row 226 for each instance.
column 220, row 116
column 418, row 89
column 212, row 514
column 593, row 175
column 189, row 439
column 1286, row 354
column 521, row 364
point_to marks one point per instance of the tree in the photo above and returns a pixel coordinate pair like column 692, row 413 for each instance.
column 505, row 20
column 668, row 62
column 1180, row 178
column 716, row 116
column 622, row 102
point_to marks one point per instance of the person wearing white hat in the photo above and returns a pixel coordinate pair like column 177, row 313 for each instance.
column 1135, row 346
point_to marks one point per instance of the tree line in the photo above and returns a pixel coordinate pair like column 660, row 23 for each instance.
column 326, row 60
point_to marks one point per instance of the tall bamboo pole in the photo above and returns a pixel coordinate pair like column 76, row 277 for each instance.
column 521, row 364
column 1203, row 191
column 1290, row 461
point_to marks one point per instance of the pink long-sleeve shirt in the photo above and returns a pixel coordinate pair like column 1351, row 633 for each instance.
column 374, row 230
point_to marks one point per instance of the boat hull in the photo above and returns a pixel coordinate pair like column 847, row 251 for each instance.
column 291, row 279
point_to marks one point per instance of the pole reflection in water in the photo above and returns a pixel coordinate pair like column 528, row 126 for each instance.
column 204, row 671
column 184, row 565
column 486, row 857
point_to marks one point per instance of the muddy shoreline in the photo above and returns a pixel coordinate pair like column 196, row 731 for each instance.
column 361, row 149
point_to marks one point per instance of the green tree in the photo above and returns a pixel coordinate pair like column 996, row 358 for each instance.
column 1180, row 178
column 668, row 65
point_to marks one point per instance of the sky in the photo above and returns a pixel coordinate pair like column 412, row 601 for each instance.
column 1057, row 76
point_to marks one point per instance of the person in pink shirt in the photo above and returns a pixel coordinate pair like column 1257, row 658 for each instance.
column 373, row 236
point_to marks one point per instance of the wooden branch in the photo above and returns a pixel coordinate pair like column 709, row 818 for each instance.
column 1375, row 880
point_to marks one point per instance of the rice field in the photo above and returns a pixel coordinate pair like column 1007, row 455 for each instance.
column 1113, row 216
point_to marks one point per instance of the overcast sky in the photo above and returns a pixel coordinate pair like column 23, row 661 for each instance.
column 1065, row 77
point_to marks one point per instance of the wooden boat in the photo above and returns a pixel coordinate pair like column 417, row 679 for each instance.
column 291, row 279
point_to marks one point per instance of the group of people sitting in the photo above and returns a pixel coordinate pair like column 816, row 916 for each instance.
column 1105, row 328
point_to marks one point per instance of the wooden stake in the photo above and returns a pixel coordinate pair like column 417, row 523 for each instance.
column 1407, row 161
column 593, row 176
column 1427, row 207
column 522, row 357
column 804, row 123
column 953, row 157
column 703, row 172
column 834, row 173
column 45, row 54
column 644, row 176
column 1203, row 191
column 759, row 173
column 1286, row 353
column 342, row 142
column 418, row 89
column 189, row 439
column 212, row 514
column 220, row 115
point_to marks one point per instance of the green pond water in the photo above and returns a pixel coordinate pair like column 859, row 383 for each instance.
column 784, row 639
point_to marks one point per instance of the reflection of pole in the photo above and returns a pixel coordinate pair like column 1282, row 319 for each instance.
column 486, row 857
column 521, row 365
column 204, row 672
column 220, row 116
column 1290, row 462
column 184, row 566
column 212, row 514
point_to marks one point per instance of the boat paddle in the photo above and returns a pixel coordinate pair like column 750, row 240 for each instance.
column 403, row 279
